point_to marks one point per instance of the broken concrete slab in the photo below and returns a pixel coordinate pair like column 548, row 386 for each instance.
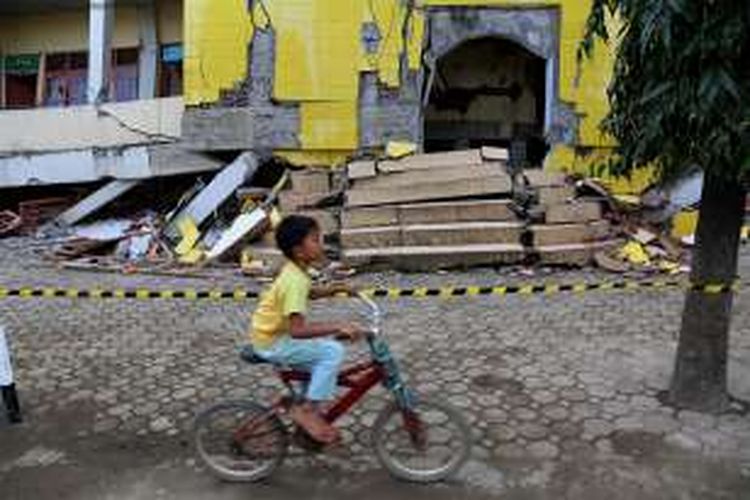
column 457, row 211
column 490, row 153
column 242, row 226
column 310, row 181
column 433, row 160
column 221, row 187
column 432, row 212
column 95, row 201
column 464, row 233
column 563, row 234
column 574, row 211
column 416, row 177
column 361, row 170
column 430, row 258
column 580, row 254
column 370, row 216
column 291, row 201
column 431, row 191
column 544, row 178
column 555, row 194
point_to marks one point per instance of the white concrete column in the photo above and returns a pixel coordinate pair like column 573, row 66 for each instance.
column 148, row 56
column 101, row 22
column 8, row 393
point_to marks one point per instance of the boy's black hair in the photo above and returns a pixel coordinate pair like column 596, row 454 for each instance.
column 292, row 230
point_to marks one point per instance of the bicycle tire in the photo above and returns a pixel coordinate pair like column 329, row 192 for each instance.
column 275, row 433
column 407, row 473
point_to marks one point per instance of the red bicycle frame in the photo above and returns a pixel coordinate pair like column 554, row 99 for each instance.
column 358, row 379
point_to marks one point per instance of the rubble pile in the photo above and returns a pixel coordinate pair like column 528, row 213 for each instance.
column 411, row 212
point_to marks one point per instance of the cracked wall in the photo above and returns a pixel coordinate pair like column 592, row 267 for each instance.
column 325, row 79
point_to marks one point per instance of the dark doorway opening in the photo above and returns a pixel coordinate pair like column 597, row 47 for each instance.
column 488, row 92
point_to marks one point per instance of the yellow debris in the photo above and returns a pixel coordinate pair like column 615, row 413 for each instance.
column 745, row 233
column 395, row 149
column 635, row 253
column 190, row 235
column 275, row 217
column 192, row 257
column 684, row 224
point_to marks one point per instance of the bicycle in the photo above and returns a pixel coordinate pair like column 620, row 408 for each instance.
column 246, row 441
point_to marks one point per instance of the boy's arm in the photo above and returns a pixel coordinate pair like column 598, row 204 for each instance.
column 300, row 329
column 323, row 291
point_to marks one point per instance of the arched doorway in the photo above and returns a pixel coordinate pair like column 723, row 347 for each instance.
column 488, row 91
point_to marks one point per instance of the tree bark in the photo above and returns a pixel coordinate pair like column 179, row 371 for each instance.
column 699, row 381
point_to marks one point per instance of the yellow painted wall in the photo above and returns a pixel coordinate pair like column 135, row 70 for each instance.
column 67, row 31
column 216, row 33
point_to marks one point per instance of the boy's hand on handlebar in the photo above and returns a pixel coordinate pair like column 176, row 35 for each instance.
column 351, row 332
column 343, row 288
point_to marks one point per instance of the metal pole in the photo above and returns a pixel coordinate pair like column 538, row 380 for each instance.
column 7, row 385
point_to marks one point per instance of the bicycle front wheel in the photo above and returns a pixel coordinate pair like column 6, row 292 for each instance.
column 240, row 440
column 428, row 443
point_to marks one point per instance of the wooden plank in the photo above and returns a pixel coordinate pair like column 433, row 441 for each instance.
column 539, row 177
column 429, row 258
column 311, row 181
column 430, row 191
column 575, row 211
column 564, row 234
column 433, row 160
column 413, row 177
column 556, row 195
column 371, row 216
column 433, row 234
column 361, row 170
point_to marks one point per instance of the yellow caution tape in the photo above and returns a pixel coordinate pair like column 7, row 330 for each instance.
column 525, row 289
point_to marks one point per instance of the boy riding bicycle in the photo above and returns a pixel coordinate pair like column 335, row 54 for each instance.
column 281, row 334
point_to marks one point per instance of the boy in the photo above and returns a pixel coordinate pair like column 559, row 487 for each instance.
column 281, row 334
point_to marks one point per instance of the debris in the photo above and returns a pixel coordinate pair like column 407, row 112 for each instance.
column 643, row 236
column 604, row 261
column 189, row 235
column 216, row 192
column 95, row 201
column 634, row 253
column 240, row 228
column 361, row 170
column 684, row 223
column 396, row 149
column 573, row 211
column 34, row 213
column 107, row 230
column 9, row 223
column 495, row 154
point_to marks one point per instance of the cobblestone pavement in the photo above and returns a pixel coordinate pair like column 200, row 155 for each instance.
column 561, row 392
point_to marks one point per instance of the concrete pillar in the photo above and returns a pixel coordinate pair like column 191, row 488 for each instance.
column 148, row 57
column 101, row 22
column 7, row 383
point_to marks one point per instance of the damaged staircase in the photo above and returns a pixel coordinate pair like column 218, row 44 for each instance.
column 461, row 209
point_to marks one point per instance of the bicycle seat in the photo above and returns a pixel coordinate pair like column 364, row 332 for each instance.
column 248, row 354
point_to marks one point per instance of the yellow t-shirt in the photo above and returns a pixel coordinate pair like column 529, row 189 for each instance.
column 288, row 295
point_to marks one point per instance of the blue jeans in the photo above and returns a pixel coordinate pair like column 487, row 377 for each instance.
column 321, row 357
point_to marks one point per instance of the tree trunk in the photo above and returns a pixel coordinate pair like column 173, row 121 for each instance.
column 699, row 381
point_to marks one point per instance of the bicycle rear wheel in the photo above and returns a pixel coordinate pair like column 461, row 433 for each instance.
column 240, row 441
column 429, row 443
